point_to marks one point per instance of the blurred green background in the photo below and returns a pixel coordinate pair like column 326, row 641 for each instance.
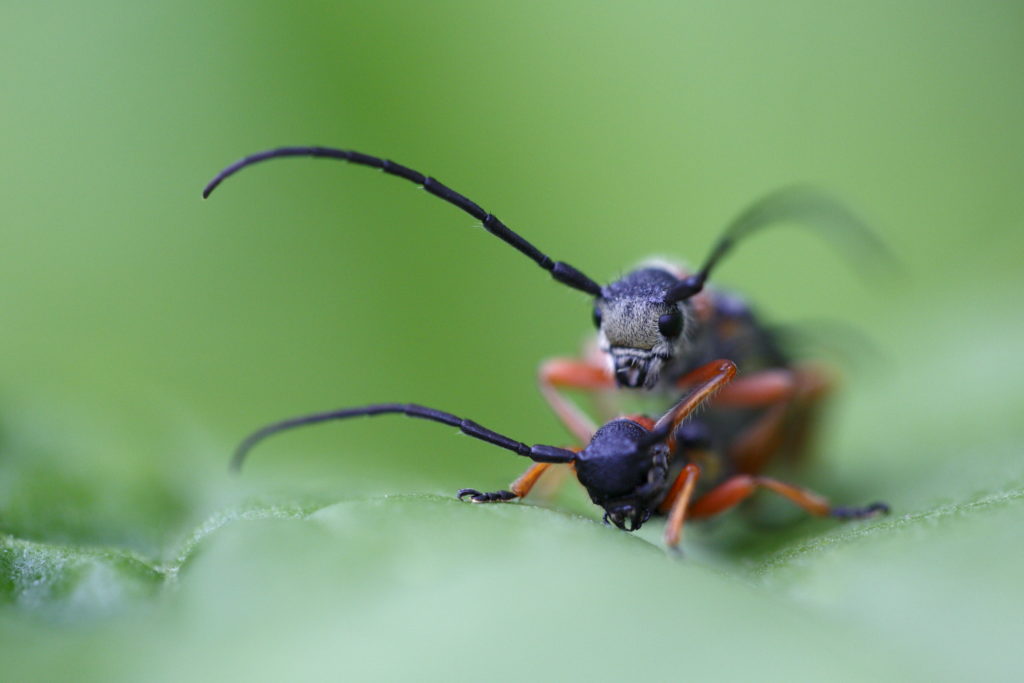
column 144, row 331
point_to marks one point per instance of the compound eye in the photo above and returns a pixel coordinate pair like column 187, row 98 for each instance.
column 671, row 324
column 597, row 317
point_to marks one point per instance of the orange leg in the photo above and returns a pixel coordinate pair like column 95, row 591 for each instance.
column 677, row 502
column 758, row 444
column 706, row 380
column 519, row 488
column 815, row 384
column 735, row 490
column 759, row 389
column 527, row 479
column 565, row 373
column 554, row 477
column 791, row 398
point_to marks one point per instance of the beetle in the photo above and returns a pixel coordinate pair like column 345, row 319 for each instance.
column 633, row 467
column 658, row 323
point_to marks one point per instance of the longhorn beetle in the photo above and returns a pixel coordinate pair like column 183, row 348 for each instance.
column 633, row 467
column 658, row 323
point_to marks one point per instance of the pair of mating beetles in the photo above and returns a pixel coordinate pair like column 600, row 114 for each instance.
column 658, row 328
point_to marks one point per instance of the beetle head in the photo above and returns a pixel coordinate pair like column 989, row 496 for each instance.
column 624, row 473
column 638, row 329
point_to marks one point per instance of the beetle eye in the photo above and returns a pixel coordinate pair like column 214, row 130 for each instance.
column 597, row 317
column 671, row 324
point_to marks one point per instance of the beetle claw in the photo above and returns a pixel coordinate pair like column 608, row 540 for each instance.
column 461, row 495
column 485, row 497
column 875, row 509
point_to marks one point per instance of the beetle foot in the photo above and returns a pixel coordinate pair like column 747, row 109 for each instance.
column 872, row 510
column 486, row 497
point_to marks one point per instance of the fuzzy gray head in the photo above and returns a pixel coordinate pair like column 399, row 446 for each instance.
column 641, row 333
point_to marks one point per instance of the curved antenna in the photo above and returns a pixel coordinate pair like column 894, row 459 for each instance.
column 798, row 204
column 537, row 453
column 562, row 272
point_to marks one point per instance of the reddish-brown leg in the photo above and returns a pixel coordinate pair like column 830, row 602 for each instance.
column 551, row 482
column 790, row 397
column 565, row 373
column 522, row 486
column 518, row 489
column 705, row 380
column 814, row 387
column 754, row 448
column 677, row 502
column 735, row 490
column 758, row 389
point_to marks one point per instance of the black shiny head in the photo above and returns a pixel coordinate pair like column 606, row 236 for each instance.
column 624, row 473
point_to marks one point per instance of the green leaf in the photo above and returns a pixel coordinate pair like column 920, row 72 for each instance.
column 143, row 332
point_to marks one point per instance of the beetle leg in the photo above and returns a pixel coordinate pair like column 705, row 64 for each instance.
column 707, row 380
column 519, row 488
column 758, row 389
column 755, row 446
column 791, row 398
column 485, row 496
column 813, row 388
column 735, row 490
column 568, row 373
column 522, row 486
column 677, row 502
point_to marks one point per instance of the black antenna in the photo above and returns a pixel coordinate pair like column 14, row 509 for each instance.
column 798, row 204
column 562, row 272
column 537, row 453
